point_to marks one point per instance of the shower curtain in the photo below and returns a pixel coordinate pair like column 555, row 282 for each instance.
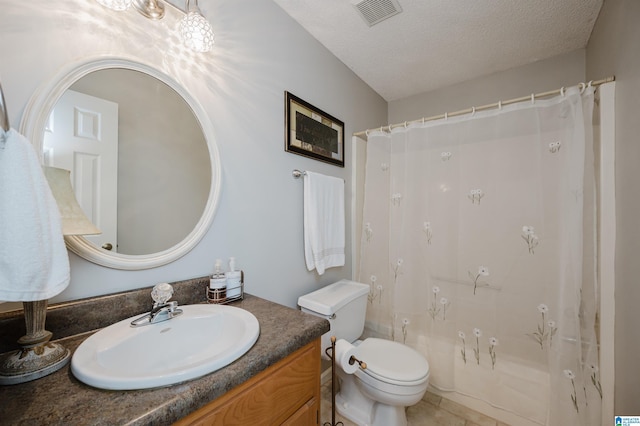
column 479, row 247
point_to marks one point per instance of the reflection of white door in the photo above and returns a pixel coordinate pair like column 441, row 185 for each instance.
column 83, row 137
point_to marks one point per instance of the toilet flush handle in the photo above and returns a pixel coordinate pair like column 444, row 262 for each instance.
column 353, row 360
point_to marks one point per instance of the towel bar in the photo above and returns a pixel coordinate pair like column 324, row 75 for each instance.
column 298, row 173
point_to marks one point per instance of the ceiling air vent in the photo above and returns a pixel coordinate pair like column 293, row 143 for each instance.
column 375, row 11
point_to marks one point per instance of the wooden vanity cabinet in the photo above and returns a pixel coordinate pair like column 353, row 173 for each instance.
column 287, row 393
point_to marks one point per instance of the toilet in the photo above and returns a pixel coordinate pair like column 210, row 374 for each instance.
column 396, row 375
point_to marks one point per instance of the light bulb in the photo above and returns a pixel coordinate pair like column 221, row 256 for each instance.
column 196, row 32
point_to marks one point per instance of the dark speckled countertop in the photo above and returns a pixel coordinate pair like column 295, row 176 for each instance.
column 60, row 399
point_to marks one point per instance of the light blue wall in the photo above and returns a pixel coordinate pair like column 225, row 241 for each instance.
column 614, row 49
column 548, row 74
column 260, row 52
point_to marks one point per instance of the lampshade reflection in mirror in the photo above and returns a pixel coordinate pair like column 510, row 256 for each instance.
column 74, row 221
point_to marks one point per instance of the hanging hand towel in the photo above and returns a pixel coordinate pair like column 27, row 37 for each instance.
column 323, row 221
column 34, row 264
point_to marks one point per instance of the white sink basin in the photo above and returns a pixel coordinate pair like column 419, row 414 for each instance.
column 203, row 339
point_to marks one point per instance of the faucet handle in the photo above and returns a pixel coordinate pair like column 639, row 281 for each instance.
column 161, row 293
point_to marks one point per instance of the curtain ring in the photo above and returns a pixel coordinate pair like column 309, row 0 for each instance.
column 423, row 121
column 390, row 128
column 366, row 132
column 499, row 105
column 589, row 85
column 405, row 124
column 582, row 87
column 382, row 129
column 473, row 111
column 533, row 98
column 562, row 90
column 446, row 115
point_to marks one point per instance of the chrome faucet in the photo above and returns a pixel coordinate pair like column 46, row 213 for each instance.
column 162, row 309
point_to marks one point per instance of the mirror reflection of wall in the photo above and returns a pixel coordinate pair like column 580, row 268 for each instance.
column 163, row 163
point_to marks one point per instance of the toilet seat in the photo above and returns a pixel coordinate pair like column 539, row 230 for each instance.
column 392, row 362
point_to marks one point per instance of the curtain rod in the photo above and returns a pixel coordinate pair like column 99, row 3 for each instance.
column 499, row 104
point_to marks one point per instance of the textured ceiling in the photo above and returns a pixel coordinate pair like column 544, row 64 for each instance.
column 436, row 43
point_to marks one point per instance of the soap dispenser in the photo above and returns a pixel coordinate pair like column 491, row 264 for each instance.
column 217, row 285
column 234, row 280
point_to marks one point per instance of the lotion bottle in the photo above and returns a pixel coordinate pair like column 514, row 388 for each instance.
column 218, row 283
column 234, row 280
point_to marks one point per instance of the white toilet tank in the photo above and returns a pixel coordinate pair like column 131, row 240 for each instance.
column 344, row 304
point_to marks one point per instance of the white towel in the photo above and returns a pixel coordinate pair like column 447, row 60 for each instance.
column 323, row 221
column 34, row 264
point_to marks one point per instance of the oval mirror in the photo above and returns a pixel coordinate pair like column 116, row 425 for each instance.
column 144, row 163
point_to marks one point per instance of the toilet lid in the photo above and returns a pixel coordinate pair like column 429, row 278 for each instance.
column 392, row 361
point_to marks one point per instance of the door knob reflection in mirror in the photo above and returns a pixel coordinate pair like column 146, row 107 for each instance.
column 107, row 246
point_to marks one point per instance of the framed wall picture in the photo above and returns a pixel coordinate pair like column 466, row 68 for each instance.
column 312, row 132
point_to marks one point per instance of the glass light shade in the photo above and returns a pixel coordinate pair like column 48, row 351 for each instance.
column 196, row 32
column 118, row 5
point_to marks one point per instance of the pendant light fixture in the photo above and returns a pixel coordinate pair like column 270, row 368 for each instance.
column 195, row 30
column 152, row 9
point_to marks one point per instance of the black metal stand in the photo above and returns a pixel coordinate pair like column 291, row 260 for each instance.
column 333, row 383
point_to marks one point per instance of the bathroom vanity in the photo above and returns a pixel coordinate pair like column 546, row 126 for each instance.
column 276, row 382
column 287, row 393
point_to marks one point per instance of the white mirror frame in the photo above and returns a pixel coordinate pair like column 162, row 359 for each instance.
column 34, row 122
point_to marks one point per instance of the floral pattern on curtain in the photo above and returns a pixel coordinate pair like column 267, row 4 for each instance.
column 479, row 246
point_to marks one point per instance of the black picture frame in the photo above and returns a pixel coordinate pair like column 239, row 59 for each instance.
column 312, row 132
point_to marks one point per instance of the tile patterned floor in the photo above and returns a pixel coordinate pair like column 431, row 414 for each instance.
column 433, row 410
